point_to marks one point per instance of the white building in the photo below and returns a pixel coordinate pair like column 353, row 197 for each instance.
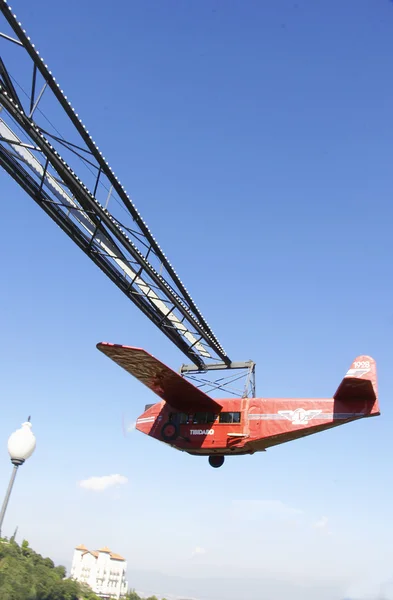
column 103, row 570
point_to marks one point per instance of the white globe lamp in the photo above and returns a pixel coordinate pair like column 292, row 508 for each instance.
column 21, row 445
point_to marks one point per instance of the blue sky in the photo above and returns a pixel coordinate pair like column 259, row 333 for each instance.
column 255, row 139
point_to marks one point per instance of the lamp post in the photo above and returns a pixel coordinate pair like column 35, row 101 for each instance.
column 21, row 445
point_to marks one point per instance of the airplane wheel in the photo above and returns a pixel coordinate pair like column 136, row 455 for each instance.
column 169, row 432
column 216, row 461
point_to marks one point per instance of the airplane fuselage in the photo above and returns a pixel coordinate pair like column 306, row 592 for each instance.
column 191, row 421
column 249, row 425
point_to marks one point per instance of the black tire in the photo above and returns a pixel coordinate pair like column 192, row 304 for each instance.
column 169, row 432
column 216, row 461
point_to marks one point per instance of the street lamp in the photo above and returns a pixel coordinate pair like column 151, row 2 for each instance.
column 21, row 445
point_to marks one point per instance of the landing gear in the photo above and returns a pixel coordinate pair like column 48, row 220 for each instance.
column 216, row 461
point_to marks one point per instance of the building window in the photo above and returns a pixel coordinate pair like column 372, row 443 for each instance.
column 229, row 417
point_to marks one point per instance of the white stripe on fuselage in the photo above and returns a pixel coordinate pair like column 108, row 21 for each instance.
column 146, row 420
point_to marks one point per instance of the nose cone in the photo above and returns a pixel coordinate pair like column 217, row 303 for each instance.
column 145, row 422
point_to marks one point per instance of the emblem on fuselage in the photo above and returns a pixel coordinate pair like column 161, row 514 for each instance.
column 300, row 416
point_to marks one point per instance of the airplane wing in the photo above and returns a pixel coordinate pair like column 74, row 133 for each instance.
column 159, row 378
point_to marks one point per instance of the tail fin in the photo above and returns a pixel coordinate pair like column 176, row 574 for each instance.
column 360, row 383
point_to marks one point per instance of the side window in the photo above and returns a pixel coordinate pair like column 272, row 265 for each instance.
column 203, row 418
column 178, row 418
column 199, row 417
column 211, row 417
column 229, row 417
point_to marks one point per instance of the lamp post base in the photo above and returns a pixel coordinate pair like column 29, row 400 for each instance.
column 16, row 464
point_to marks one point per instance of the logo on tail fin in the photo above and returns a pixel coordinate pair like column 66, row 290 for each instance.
column 300, row 416
column 356, row 372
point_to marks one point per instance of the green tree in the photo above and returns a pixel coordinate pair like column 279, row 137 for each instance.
column 87, row 592
column 61, row 571
column 26, row 575
column 132, row 595
column 49, row 563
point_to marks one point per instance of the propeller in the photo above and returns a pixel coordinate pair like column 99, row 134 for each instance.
column 128, row 425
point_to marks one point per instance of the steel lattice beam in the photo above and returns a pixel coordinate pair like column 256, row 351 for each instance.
column 69, row 178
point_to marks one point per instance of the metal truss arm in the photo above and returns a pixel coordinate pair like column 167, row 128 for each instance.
column 45, row 162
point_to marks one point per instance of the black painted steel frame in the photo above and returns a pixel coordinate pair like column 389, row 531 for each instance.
column 212, row 380
column 42, row 161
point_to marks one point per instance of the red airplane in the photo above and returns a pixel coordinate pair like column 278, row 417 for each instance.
column 189, row 420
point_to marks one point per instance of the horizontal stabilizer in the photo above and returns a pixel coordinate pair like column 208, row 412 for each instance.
column 360, row 381
column 159, row 378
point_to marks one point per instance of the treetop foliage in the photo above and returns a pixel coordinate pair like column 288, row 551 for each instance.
column 26, row 575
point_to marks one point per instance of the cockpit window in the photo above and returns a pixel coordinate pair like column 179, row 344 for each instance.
column 182, row 418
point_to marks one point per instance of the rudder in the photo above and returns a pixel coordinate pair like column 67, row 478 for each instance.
column 360, row 383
